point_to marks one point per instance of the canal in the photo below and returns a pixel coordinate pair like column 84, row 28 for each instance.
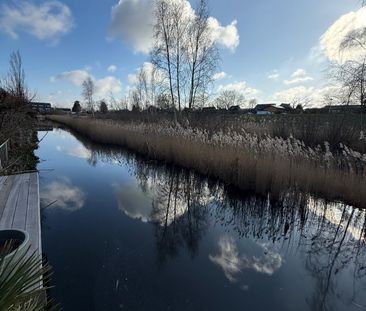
column 124, row 233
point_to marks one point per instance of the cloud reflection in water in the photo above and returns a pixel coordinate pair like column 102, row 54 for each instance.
column 79, row 151
column 64, row 195
column 232, row 263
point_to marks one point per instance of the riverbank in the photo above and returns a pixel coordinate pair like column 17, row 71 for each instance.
column 251, row 162
column 18, row 126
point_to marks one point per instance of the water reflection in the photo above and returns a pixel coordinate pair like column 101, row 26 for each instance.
column 246, row 237
column 132, row 202
column 62, row 194
column 78, row 151
column 232, row 262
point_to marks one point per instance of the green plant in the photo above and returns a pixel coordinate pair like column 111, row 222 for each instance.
column 21, row 278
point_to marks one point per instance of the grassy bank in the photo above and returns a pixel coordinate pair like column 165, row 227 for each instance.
column 18, row 125
column 253, row 162
column 312, row 129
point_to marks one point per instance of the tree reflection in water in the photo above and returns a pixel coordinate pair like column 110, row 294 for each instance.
column 329, row 237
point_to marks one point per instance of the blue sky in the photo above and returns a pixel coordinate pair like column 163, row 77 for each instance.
column 276, row 48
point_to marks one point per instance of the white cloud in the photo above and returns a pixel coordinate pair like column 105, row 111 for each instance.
column 134, row 203
column 228, row 259
column 219, row 75
column 311, row 96
column 150, row 71
column 227, row 36
column 232, row 263
column 46, row 21
column 331, row 40
column 273, row 75
column 240, row 87
column 292, row 94
column 77, row 77
column 132, row 22
column 79, row 152
column 103, row 87
column 299, row 76
column 316, row 56
column 107, row 85
column 112, row 68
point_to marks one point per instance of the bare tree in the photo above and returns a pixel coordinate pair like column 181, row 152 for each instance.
column 352, row 78
column 299, row 101
column 202, row 53
column 184, row 50
column 162, row 54
column 252, row 103
column 228, row 98
column 149, row 82
column 162, row 101
column 351, row 74
column 180, row 22
column 135, row 99
column 14, row 83
column 88, row 93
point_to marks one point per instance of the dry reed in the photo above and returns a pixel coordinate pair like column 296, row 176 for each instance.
column 250, row 162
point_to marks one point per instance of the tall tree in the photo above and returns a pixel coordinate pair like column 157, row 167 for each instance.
column 88, row 89
column 351, row 74
column 148, row 82
column 14, row 83
column 103, row 107
column 162, row 53
column 202, row 53
column 184, row 50
column 76, row 107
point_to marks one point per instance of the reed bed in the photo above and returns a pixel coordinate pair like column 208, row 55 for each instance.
column 262, row 164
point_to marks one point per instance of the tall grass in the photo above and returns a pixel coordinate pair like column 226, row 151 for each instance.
column 312, row 129
column 253, row 162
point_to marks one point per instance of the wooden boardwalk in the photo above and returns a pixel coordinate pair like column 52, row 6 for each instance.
column 19, row 206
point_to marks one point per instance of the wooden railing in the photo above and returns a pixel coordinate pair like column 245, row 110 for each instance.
column 4, row 153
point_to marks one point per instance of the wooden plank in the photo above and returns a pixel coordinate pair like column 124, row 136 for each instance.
column 4, row 193
column 33, row 221
column 20, row 208
column 20, row 215
column 2, row 181
column 7, row 217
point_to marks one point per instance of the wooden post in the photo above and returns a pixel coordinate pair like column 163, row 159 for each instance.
column 4, row 153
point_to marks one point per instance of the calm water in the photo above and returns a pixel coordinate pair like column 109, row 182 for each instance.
column 123, row 233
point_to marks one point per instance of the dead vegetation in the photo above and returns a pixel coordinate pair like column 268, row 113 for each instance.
column 17, row 122
column 249, row 161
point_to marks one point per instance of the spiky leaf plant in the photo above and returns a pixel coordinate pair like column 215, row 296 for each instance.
column 21, row 279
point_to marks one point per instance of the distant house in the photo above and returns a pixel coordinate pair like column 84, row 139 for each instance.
column 268, row 109
column 287, row 107
column 41, row 107
column 67, row 110
column 234, row 108
column 208, row 109
column 344, row 109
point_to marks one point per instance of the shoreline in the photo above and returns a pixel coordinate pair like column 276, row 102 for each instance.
column 263, row 165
